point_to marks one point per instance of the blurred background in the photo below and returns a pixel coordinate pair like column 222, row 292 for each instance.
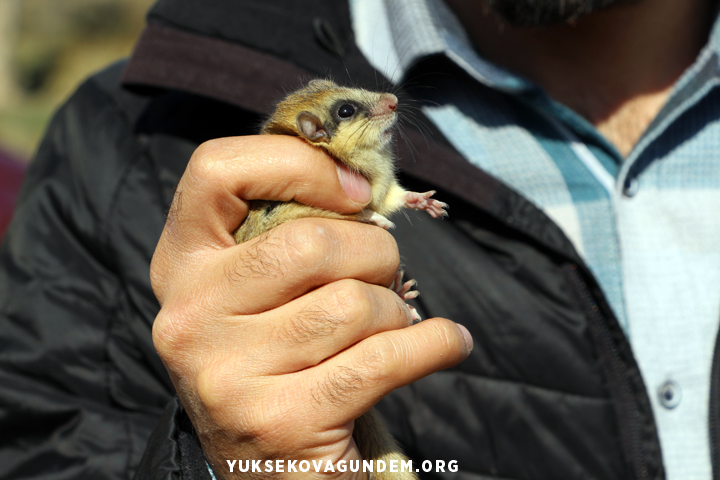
column 47, row 47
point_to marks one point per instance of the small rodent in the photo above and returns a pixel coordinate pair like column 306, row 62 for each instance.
column 355, row 127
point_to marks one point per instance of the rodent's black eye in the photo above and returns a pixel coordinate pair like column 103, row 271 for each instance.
column 346, row 111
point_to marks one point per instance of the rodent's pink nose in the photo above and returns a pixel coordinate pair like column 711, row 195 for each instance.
column 388, row 102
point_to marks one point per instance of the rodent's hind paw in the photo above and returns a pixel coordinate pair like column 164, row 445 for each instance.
column 404, row 292
column 422, row 201
column 403, row 289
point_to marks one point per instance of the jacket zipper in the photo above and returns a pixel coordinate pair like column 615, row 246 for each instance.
column 615, row 367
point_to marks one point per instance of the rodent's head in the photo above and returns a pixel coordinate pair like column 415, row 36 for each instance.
column 347, row 122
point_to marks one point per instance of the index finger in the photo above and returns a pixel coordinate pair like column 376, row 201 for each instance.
column 223, row 175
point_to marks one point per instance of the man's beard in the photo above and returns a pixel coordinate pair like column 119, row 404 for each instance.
column 547, row 12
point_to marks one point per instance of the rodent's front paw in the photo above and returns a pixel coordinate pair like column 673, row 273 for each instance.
column 422, row 201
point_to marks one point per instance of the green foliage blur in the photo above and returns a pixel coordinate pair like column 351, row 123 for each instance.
column 47, row 48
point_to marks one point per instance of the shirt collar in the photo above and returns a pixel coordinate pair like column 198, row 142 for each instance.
column 408, row 30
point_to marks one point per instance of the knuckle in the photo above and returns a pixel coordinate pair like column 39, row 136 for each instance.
column 210, row 386
column 309, row 242
column 206, row 165
column 171, row 334
column 354, row 298
column 217, row 388
column 302, row 246
column 164, row 338
column 203, row 149
column 366, row 303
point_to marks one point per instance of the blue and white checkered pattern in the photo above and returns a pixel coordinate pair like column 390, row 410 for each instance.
column 648, row 226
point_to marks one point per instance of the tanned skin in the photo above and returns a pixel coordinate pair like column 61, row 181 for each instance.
column 276, row 345
column 615, row 67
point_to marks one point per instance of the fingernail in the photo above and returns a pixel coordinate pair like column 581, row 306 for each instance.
column 466, row 334
column 355, row 185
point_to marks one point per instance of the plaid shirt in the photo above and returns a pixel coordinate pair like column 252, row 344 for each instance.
column 648, row 225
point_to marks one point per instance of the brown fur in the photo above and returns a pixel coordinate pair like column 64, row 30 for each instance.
column 359, row 143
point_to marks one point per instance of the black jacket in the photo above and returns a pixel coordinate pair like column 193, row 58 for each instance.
column 551, row 390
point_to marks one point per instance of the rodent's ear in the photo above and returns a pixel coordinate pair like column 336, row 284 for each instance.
column 312, row 128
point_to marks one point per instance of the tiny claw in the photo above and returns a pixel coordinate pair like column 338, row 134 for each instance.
column 415, row 315
column 411, row 295
column 406, row 287
column 403, row 289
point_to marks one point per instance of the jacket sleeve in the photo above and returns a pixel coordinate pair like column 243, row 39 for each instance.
column 174, row 450
column 81, row 386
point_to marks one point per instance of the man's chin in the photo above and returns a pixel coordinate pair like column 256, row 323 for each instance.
column 536, row 13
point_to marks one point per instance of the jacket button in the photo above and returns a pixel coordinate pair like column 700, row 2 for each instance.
column 631, row 187
column 670, row 394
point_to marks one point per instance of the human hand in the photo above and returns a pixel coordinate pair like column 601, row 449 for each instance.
column 276, row 345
